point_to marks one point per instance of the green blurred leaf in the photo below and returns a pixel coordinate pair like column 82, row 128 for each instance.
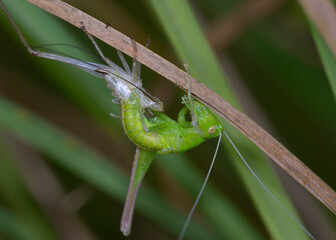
column 327, row 58
column 14, row 192
column 14, row 228
column 225, row 217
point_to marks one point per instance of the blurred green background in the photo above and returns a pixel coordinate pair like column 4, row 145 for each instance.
column 65, row 163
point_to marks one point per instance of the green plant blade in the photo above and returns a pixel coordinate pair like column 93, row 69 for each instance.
column 15, row 194
column 14, row 228
column 213, row 205
column 182, row 29
column 327, row 58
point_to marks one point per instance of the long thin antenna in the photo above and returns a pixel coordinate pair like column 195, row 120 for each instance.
column 267, row 190
column 200, row 193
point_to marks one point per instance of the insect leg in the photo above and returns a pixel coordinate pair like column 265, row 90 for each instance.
column 181, row 117
column 124, row 63
column 115, row 116
column 190, row 98
column 142, row 161
column 141, row 114
column 105, row 59
column 148, row 42
column 136, row 66
column 22, row 38
column 89, row 67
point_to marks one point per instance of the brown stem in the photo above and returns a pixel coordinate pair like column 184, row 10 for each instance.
column 276, row 151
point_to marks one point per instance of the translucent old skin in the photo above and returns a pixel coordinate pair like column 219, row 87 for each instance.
column 164, row 135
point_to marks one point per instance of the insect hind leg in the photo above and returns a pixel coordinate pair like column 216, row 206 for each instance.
column 33, row 52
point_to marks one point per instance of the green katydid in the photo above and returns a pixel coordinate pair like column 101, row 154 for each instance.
column 160, row 134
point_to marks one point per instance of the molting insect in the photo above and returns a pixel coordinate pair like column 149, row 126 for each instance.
column 159, row 134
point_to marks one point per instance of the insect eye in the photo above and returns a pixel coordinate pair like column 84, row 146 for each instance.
column 212, row 130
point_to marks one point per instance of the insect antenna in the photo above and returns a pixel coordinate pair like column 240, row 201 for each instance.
column 267, row 190
column 200, row 193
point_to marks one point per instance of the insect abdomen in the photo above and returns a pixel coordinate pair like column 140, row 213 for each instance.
column 134, row 129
